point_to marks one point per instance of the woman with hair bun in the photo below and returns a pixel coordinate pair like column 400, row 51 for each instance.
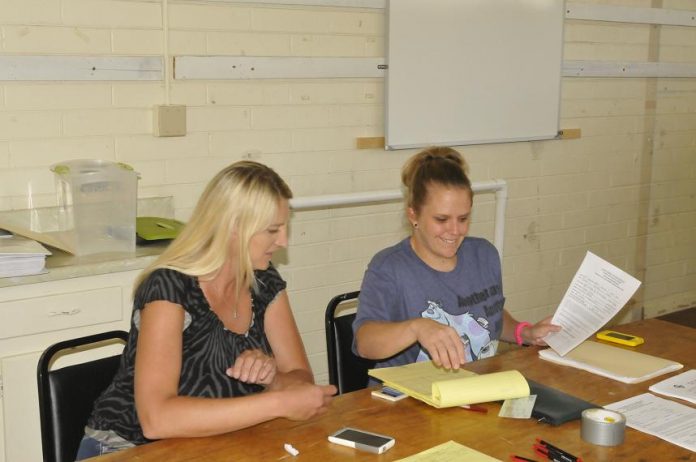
column 437, row 294
column 213, row 346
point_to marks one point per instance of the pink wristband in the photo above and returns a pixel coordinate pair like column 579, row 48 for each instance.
column 518, row 331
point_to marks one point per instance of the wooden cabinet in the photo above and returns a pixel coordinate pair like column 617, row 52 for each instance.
column 34, row 316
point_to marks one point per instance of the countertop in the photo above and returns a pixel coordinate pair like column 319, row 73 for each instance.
column 61, row 265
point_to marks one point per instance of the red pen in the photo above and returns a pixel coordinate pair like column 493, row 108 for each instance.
column 541, row 451
column 554, row 453
column 549, row 454
column 474, row 408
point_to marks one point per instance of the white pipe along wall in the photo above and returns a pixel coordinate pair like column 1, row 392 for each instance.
column 332, row 200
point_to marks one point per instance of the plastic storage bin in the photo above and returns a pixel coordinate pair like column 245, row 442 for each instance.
column 97, row 203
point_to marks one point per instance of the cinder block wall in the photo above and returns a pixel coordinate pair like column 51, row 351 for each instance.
column 625, row 190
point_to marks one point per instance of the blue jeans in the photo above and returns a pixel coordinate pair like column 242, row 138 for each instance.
column 90, row 447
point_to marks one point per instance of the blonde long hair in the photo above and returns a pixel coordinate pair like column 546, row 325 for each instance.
column 241, row 200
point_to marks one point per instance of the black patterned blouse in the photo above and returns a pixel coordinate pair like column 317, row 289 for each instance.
column 208, row 349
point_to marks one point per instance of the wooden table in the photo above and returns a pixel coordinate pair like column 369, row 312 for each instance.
column 417, row 426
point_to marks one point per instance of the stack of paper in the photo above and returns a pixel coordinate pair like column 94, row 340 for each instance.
column 20, row 256
column 616, row 363
column 447, row 388
column 682, row 386
column 670, row 421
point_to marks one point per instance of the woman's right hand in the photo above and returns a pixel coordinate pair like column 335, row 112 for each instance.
column 253, row 366
column 305, row 400
column 442, row 342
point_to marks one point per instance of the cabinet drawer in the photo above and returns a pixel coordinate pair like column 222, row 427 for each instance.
column 63, row 311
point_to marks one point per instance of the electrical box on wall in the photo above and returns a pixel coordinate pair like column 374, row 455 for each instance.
column 169, row 120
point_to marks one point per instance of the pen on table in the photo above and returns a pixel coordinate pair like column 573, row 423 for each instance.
column 474, row 408
column 565, row 455
column 549, row 454
column 516, row 458
column 554, row 453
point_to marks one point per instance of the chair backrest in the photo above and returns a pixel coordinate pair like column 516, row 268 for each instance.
column 347, row 371
column 67, row 395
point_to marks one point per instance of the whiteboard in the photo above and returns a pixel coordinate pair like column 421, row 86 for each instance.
column 472, row 71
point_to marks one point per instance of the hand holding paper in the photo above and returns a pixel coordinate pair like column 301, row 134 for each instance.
column 597, row 292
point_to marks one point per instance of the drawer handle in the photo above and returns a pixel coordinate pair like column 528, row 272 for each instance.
column 72, row 312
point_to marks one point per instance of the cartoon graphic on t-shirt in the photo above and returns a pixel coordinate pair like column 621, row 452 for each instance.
column 473, row 332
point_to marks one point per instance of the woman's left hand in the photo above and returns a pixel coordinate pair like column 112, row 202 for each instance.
column 254, row 366
column 534, row 334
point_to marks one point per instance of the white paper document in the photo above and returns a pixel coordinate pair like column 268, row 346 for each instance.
column 670, row 421
column 518, row 408
column 20, row 256
column 597, row 292
column 682, row 386
column 21, row 246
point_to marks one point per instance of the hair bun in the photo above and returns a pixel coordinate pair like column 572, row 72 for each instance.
column 437, row 164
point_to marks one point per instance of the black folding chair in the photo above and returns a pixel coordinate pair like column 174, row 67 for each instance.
column 67, row 395
column 347, row 371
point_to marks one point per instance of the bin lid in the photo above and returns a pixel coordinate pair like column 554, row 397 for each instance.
column 87, row 166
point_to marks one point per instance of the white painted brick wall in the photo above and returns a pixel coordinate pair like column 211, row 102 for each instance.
column 137, row 94
column 147, row 147
column 237, row 142
column 624, row 190
column 182, row 42
column 201, row 16
column 4, row 156
column 247, row 44
column 189, row 93
column 57, row 40
column 41, row 153
column 112, row 13
column 27, row 124
column 217, row 118
column 107, row 121
column 137, row 42
column 239, row 93
column 50, row 96
column 30, row 11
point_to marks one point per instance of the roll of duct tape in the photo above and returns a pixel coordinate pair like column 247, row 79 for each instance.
column 603, row 427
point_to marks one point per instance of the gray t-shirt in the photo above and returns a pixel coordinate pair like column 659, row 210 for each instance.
column 398, row 286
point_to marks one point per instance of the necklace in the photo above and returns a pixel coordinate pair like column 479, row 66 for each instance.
column 235, row 314
column 220, row 297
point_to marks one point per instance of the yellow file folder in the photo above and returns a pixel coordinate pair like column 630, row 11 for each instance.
column 614, row 362
column 447, row 388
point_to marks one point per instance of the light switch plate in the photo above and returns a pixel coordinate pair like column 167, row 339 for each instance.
column 169, row 120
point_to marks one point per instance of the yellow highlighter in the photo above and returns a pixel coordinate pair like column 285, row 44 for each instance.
column 620, row 338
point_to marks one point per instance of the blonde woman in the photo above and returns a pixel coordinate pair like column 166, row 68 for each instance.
column 213, row 345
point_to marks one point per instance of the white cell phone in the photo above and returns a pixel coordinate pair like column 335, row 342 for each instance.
column 389, row 394
column 360, row 439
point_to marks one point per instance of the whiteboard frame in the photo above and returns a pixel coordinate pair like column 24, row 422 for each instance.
column 431, row 92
